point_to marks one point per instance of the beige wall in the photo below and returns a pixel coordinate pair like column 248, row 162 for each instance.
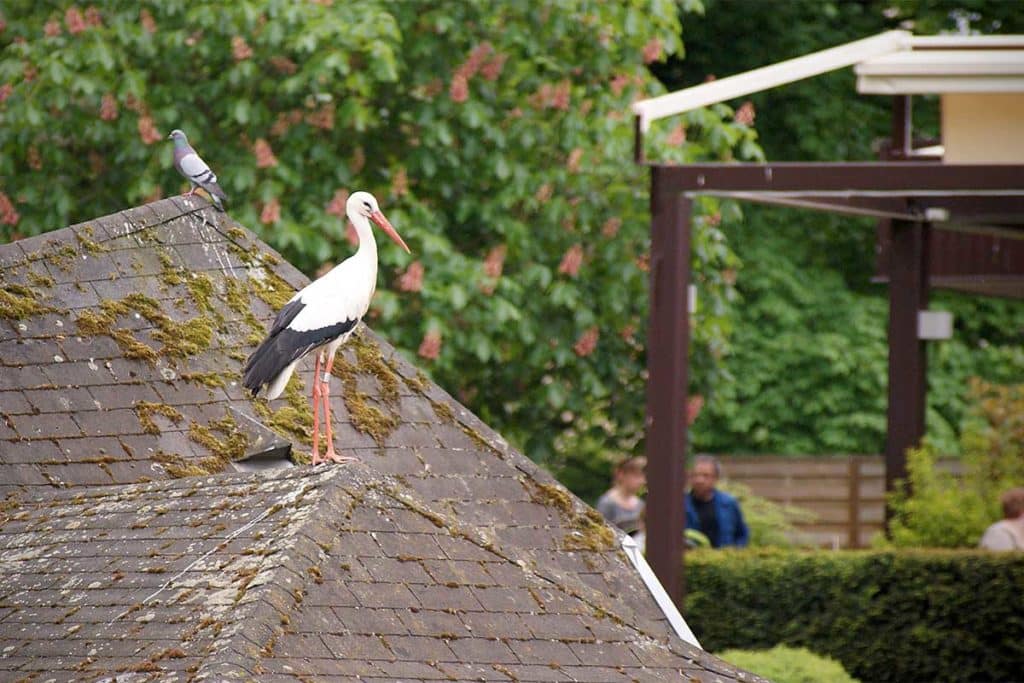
column 983, row 127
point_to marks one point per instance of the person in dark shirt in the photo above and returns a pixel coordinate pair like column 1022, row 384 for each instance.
column 714, row 513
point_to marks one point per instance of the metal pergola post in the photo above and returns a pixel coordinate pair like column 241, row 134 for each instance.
column 668, row 342
column 908, row 355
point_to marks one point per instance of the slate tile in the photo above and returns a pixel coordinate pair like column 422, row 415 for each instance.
column 434, row 623
column 418, row 648
column 494, row 625
column 209, row 257
column 394, row 571
column 541, row 674
column 357, row 646
column 180, row 392
column 439, row 487
column 18, row 474
column 109, row 422
column 394, row 595
column 409, row 670
column 113, row 396
column 458, row 571
column 367, row 620
column 63, row 400
column 443, row 597
column 75, row 348
column 75, row 295
column 161, row 211
column 28, row 352
column 482, row 650
column 14, row 403
column 81, row 373
column 89, row 266
column 45, row 426
column 74, row 474
column 461, row 549
column 543, row 652
column 463, row 673
column 501, row 599
column 604, row 654
column 420, row 546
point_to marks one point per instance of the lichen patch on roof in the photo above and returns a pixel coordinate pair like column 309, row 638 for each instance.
column 130, row 546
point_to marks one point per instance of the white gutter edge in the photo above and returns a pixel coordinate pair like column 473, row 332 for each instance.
column 668, row 608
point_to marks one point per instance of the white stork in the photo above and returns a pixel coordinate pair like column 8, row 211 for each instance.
column 320, row 318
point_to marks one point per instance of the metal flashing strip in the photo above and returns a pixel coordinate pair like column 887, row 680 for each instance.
column 668, row 608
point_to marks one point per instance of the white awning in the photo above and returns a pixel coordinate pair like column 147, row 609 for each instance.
column 933, row 71
column 890, row 63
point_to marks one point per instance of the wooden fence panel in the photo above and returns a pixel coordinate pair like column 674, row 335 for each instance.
column 845, row 493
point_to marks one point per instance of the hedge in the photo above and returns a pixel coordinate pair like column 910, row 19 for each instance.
column 908, row 615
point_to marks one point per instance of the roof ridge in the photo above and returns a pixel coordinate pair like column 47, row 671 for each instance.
column 268, row 609
column 271, row 608
column 262, row 604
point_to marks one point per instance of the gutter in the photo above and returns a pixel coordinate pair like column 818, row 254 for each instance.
column 668, row 608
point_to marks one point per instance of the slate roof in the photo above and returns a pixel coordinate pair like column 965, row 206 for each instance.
column 136, row 542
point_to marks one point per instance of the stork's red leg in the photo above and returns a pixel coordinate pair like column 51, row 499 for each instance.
column 325, row 391
column 316, row 412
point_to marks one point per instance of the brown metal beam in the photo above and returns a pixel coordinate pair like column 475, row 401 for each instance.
column 668, row 341
column 908, row 294
column 908, row 176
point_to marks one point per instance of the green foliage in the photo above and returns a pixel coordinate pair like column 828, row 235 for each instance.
column 770, row 524
column 782, row 664
column 946, row 511
column 808, row 372
column 498, row 141
column 886, row 616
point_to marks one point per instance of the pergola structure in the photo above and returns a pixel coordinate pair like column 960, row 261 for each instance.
column 950, row 216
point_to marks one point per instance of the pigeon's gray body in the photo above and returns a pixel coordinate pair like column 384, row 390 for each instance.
column 192, row 166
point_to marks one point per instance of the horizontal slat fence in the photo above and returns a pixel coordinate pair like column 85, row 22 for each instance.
column 845, row 493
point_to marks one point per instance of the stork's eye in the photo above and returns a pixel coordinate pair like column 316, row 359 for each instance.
column 367, row 205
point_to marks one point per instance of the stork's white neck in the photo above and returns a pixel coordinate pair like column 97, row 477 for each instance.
column 367, row 244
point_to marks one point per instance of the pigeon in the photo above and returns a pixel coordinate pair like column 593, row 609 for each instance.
column 190, row 165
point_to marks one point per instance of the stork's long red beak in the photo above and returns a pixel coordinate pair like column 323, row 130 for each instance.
column 384, row 224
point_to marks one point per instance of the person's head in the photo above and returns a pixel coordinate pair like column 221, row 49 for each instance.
column 629, row 474
column 704, row 476
column 1013, row 503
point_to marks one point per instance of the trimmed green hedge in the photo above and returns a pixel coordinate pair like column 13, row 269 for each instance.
column 909, row 615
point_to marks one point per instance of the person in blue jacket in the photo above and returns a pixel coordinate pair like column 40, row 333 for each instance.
column 714, row 513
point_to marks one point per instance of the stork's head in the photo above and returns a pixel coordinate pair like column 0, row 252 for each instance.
column 365, row 205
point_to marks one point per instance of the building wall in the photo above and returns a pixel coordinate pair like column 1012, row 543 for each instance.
column 983, row 127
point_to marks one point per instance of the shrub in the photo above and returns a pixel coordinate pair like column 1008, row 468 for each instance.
column 908, row 615
column 946, row 511
column 783, row 664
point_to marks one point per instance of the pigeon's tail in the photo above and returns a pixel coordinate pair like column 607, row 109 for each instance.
column 217, row 195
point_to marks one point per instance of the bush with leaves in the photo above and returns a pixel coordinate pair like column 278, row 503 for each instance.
column 496, row 135
column 943, row 510
column 783, row 664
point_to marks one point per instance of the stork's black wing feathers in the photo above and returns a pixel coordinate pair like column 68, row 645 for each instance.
column 283, row 346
